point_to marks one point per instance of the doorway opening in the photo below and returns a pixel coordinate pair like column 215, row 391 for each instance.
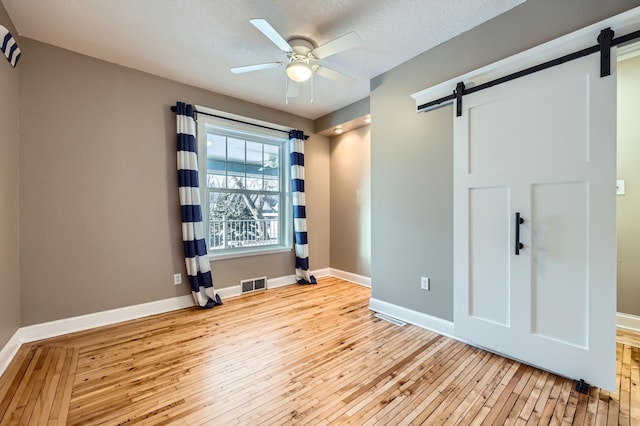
column 628, row 186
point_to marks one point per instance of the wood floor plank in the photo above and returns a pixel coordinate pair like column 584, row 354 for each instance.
column 592, row 406
column 634, row 388
column 437, row 378
column 625, row 388
column 504, row 398
column 15, row 410
column 484, row 390
column 531, row 398
column 602, row 413
column 13, row 376
column 561, row 404
column 581, row 409
column 468, row 396
column 296, row 355
column 60, row 408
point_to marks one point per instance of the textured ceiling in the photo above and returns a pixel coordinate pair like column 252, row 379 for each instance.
column 197, row 41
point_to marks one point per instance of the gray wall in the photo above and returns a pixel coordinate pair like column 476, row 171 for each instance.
column 99, row 206
column 411, row 154
column 9, row 266
column 351, row 202
column 628, row 205
column 343, row 116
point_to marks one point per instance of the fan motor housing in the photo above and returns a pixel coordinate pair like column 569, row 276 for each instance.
column 301, row 46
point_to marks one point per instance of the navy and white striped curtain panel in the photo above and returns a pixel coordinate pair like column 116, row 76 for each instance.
column 195, row 247
column 296, row 145
column 9, row 46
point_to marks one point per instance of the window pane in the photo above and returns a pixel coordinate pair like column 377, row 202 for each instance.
column 216, row 173
column 235, row 150
column 254, row 153
column 271, row 156
column 235, row 163
column 216, row 180
column 235, row 176
column 254, row 184
column 216, row 147
column 254, row 165
column 243, row 220
column 271, row 184
column 216, row 216
column 216, row 161
column 271, row 168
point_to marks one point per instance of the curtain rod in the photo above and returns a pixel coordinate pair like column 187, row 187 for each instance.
column 461, row 90
column 173, row 109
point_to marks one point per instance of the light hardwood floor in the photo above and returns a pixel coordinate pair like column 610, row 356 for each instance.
column 294, row 355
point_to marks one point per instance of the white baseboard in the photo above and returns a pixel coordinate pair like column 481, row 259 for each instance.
column 419, row 319
column 236, row 290
column 324, row 272
column 10, row 350
column 281, row 281
column 351, row 277
column 229, row 292
column 84, row 322
column 628, row 321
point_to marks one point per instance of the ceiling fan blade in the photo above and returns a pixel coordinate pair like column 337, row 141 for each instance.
column 256, row 67
column 335, row 76
column 293, row 88
column 266, row 29
column 345, row 42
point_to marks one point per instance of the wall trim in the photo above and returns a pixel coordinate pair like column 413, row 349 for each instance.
column 281, row 281
column 426, row 321
column 324, row 272
column 10, row 350
column 628, row 321
column 55, row 328
column 351, row 277
column 236, row 290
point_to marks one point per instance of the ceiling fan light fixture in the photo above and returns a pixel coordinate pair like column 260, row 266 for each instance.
column 299, row 71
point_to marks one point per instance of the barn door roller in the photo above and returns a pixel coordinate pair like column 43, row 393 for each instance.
column 604, row 41
column 458, row 93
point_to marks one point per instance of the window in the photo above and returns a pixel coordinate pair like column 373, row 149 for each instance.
column 244, row 179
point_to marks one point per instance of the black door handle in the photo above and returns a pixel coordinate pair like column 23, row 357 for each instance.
column 519, row 245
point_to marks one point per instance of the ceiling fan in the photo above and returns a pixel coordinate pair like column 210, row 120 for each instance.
column 302, row 58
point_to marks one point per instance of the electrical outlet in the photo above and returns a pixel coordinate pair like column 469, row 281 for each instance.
column 177, row 279
column 424, row 283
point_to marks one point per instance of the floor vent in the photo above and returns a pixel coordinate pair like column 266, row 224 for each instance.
column 392, row 320
column 253, row 284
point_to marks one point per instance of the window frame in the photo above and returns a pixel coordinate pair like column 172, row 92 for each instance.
column 228, row 126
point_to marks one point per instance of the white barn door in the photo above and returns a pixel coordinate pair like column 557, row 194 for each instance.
column 542, row 146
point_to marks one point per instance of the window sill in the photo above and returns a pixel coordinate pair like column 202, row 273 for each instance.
column 247, row 253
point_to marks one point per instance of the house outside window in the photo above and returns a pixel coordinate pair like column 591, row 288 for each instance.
column 245, row 183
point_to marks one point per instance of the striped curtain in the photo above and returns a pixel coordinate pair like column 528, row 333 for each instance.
column 9, row 47
column 296, row 145
column 195, row 248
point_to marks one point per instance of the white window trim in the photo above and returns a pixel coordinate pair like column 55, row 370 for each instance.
column 262, row 134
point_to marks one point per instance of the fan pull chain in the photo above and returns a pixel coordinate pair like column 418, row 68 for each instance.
column 312, row 88
column 286, row 89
